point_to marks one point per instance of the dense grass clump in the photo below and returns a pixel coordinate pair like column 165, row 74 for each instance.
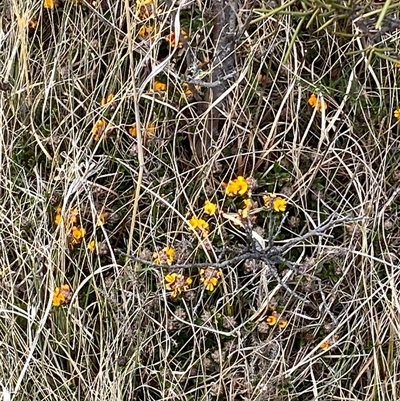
column 199, row 200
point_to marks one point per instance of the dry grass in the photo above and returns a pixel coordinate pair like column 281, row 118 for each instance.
column 122, row 337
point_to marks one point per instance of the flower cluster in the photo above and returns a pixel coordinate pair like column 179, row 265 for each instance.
column 274, row 319
column 171, row 39
column 146, row 8
column 167, row 255
column 146, row 30
column 210, row 277
column 71, row 223
column 318, row 104
column 107, row 100
column 276, row 202
column 62, row 295
column 238, row 186
column 101, row 129
column 177, row 283
column 187, row 92
column 148, row 130
column 199, row 225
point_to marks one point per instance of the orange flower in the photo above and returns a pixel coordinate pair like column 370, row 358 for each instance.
column 107, row 99
column 99, row 129
column 71, row 217
column 171, row 38
column 271, row 320
column 145, row 31
column 329, row 343
column 78, row 233
column 159, row 86
column 62, row 295
column 148, row 131
column 318, row 104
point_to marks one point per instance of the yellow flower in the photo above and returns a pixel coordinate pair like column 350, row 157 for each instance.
column 210, row 277
column 145, row 30
column 58, row 218
column 200, row 225
column 167, row 255
column 108, row 99
column 282, row 323
column 238, row 186
column 248, row 204
column 62, row 295
column 397, row 113
column 92, row 246
column 48, row 4
column 209, row 208
column 101, row 219
column 170, row 254
column 279, row 204
column 318, row 104
column 177, row 283
column 146, row 8
column 71, row 218
column 187, row 92
column 186, row 89
column 156, row 258
column 194, row 222
column 159, row 86
column 271, row 320
column 78, row 233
